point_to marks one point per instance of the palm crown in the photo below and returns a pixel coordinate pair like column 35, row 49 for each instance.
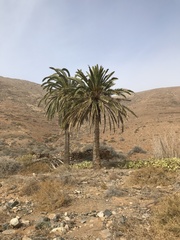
column 57, row 87
column 94, row 98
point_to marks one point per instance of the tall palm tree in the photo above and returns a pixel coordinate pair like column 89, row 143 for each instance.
column 57, row 87
column 94, row 101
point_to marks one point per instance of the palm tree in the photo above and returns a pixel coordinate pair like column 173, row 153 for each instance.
column 57, row 87
column 94, row 101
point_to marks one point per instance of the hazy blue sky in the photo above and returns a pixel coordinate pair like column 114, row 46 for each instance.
column 138, row 39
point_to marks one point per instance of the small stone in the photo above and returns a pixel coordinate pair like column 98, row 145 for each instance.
column 109, row 224
column 123, row 219
column 58, row 230
column 26, row 238
column 77, row 192
column 25, row 222
column 52, row 216
column 12, row 203
column 107, row 213
column 145, row 215
column 100, row 214
column 83, row 221
column 105, row 233
column 43, row 223
column 15, row 222
column 67, row 218
column 119, row 234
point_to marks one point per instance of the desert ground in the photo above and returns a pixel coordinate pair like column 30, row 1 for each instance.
column 39, row 201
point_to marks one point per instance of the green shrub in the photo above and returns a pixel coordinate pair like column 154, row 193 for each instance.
column 83, row 165
column 25, row 159
column 166, row 163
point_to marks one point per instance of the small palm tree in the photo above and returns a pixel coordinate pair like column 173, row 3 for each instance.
column 58, row 87
column 94, row 101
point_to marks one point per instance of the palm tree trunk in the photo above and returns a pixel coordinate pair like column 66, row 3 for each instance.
column 96, row 145
column 67, row 147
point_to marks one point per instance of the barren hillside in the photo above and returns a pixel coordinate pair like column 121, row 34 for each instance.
column 24, row 127
column 79, row 203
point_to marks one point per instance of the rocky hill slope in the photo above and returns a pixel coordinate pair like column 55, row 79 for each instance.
column 25, row 129
column 76, row 203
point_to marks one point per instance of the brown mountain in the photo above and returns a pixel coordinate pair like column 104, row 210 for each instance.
column 25, row 129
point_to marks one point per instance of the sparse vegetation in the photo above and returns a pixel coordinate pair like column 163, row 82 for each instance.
column 86, row 153
column 144, row 194
column 166, row 163
column 9, row 167
column 36, row 167
column 166, row 218
column 83, row 165
column 25, row 159
column 167, row 146
column 152, row 176
column 51, row 195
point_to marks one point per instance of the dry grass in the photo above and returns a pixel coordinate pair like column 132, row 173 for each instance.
column 167, row 146
column 152, row 176
column 52, row 195
column 131, row 229
column 30, row 188
column 166, row 218
column 36, row 167
column 48, row 192
column 8, row 167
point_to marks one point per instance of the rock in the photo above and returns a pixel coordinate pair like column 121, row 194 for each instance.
column 83, row 220
column 66, row 218
column 119, row 234
column 123, row 219
column 105, row 233
column 100, row 214
column 12, row 203
column 109, row 224
column 107, row 213
column 59, row 230
column 26, row 238
column 25, row 222
column 43, row 223
column 53, row 217
column 15, row 222
column 77, row 192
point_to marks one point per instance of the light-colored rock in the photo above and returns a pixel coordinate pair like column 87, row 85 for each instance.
column 26, row 238
column 25, row 222
column 59, row 230
column 105, row 233
column 15, row 222
column 100, row 214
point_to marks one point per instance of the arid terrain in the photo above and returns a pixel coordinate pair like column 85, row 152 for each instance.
column 24, row 127
column 41, row 203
